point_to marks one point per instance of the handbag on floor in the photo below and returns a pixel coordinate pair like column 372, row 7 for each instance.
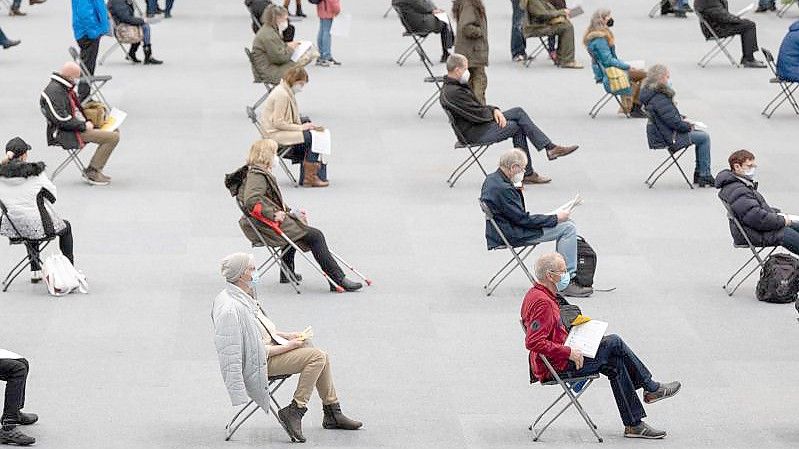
column 61, row 278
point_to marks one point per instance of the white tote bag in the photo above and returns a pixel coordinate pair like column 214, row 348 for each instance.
column 61, row 277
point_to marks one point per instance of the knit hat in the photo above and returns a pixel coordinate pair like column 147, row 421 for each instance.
column 17, row 146
column 233, row 266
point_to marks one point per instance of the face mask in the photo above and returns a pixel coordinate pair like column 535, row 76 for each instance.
column 297, row 88
column 751, row 172
column 255, row 278
column 517, row 178
column 282, row 26
column 668, row 83
column 611, row 22
column 465, row 77
column 563, row 282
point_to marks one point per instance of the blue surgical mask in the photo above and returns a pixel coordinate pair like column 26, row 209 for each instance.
column 563, row 282
column 255, row 278
column 668, row 83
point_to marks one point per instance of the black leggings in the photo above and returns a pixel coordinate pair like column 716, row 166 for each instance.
column 447, row 36
column 64, row 243
column 316, row 241
column 15, row 373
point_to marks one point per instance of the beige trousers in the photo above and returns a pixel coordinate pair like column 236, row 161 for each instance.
column 313, row 366
column 106, row 142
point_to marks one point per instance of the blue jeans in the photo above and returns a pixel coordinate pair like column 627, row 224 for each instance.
column 146, row 33
column 518, row 45
column 766, row 3
column 152, row 6
column 323, row 39
column 3, row 37
column 625, row 372
column 565, row 236
column 790, row 239
column 680, row 4
column 701, row 142
column 521, row 128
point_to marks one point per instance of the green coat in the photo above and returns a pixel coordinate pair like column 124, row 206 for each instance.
column 261, row 187
column 272, row 57
column 471, row 38
column 539, row 13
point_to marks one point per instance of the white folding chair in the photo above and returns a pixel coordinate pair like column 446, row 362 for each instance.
column 535, row 52
column 519, row 254
column 720, row 44
column 30, row 256
column 784, row 8
column 673, row 159
column 476, row 151
column 96, row 82
column 757, row 252
column 787, row 88
column 282, row 151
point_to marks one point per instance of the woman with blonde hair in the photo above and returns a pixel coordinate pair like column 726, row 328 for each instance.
column 260, row 188
column 601, row 46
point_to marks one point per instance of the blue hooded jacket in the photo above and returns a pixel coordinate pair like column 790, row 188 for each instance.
column 89, row 19
column 603, row 55
column 788, row 59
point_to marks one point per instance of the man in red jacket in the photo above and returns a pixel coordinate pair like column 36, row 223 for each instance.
column 546, row 335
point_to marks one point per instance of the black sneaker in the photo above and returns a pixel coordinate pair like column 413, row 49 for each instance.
column 575, row 290
column 14, row 436
column 644, row 431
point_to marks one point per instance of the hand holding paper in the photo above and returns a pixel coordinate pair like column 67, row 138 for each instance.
column 306, row 334
column 587, row 336
column 568, row 206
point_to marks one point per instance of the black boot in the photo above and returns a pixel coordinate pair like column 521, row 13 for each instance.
column 347, row 285
column 706, row 181
column 285, row 280
column 148, row 56
column 299, row 11
column 637, row 112
column 132, row 53
column 696, row 176
column 291, row 417
column 334, row 419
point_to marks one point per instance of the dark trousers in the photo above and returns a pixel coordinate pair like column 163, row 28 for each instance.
column 315, row 240
column 625, row 372
column 518, row 45
column 152, row 6
column 748, row 32
column 88, row 54
column 3, row 37
column 447, row 36
column 64, row 243
column 790, row 239
column 15, row 373
column 521, row 128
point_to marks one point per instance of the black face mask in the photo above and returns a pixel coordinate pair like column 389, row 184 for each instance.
column 610, row 22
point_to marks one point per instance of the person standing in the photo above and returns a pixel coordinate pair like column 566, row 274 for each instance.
column 518, row 44
column 14, row 10
column 327, row 10
column 89, row 24
column 298, row 11
column 471, row 40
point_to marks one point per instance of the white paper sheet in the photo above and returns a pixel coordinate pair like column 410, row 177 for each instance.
column 6, row 354
column 639, row 64
column 114, row 120
column 586, row 337
column 341, row 25
column 575, row 11
column 320, row 141
column 793, row 218
column 698, row 125
column 300, row 50
column 569, row 205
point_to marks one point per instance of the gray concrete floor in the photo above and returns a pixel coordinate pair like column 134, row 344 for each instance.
column 423, row 357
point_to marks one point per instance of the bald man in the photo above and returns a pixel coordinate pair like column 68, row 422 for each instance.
column 67, row 126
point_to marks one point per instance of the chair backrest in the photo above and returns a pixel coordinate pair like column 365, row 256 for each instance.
column 84, row 72
column 256, row 77
column 254, row 119
column 734, row 220
column 404, row 22
column 770, row 61
column 489, row 216
column 703, row 24
column 4, row 215
column 451, row 118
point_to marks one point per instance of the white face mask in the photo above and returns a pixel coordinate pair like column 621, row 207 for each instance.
column 465, row 77
column 750, row 172
column 282, row 26
column 297, row 88
column 517, row 178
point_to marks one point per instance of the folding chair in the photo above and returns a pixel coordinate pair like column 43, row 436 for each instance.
column 475, row 152
column 40, row 245
column 784, row 8
column 787, row 89
column 96, row 82
column 658, row 4
column 757, row 252
column 388, row 11
column 255, row 22
column 256, row 78
column 673, row 158
column 569, row 385
column 274, row 383
column 118, row 43
column 431, row 78
column 720, row 44
column 540, row 48
column 282, row 151
column 519, row 253
column 606, row 97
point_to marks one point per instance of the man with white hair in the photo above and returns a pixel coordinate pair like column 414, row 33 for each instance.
column 480, row 124
column 250, row 348
column 546, row 335
column 522, row 228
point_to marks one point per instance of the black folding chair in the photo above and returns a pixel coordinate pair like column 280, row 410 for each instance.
column 606, row 97
column 476, row 150
column 257, row 79
column 33, row 248
column 431, row 78
column 569, row 385
column 118, row 43
column 96, row 82
column 540, row 48
column 784, row 8
column 787, row 89
column 720, row 44
column 282, row 151
column 757, row 252
column 518, row 254
column 673, row 159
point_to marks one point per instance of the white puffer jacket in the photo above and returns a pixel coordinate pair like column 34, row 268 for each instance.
column 28, row 195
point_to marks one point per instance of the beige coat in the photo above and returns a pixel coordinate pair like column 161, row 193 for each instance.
column 281, row 116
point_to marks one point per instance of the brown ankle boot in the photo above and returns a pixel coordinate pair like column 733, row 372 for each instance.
column 311, row 178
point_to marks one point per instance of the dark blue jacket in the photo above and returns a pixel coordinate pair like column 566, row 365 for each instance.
column 506, row 202
column 666, row 127
column 122, row 12
column 760, row 221
column 788, row 59
column 89, row 19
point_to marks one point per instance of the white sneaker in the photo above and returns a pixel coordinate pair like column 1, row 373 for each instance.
column 36, row 276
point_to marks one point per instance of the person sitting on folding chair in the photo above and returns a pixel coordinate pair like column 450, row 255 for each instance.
column 257, row 9
column 420, row 18
column 471, row 40
column 271, row 54
column 14, row 371
column 788, row 58
column 717, row 15
column 282, row 123
column 261, row 188
column 543, row 19
column 521, row 228
column 68, row 128
column 764, row 225
column 601, row 45
column 766, row 5
column 546, row 335
column 123, row 13
column 479, row 123
column 250, row 348
column 28, row 194
column 678, row 7
column 667, row 128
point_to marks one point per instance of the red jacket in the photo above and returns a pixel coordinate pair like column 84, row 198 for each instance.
column 544, row 330
column 328, row 9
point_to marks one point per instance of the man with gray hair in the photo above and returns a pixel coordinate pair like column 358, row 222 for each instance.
column 545, row 335
column 522, row 228
column 482, row 124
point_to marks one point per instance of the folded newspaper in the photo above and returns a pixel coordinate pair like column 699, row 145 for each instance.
column 568, row 206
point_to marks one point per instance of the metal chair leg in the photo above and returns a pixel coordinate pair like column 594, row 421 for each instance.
column 599, row 105
column 474, row 157
column 756, row 255
column 429, row 103
column 519, row 258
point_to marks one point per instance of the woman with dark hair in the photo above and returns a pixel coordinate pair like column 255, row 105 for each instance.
column 471, row 40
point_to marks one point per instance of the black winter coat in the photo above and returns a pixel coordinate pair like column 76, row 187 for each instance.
column 666, row 127
column 418, row 15
column 472, row 118
column 717, row 14
column 122, row 12
column 760, row 221
column 63, row 127
column 506, row 202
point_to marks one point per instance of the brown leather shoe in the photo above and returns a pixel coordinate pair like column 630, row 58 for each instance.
column 559, row 151
column 16, row 12
column 310, row 175
column 536, row 178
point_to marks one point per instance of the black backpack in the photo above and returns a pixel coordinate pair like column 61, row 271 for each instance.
column 586, row 263
column 779, row 279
